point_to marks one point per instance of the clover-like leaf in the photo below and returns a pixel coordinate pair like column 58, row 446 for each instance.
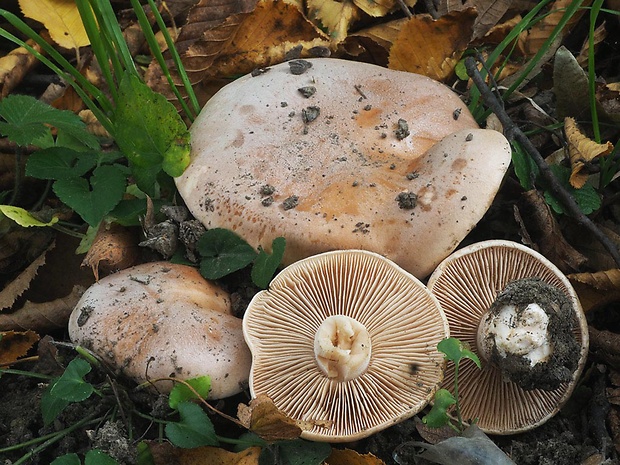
column 223, row 252
column 266, row 264
column 181, row 393
column 194, row 430
column 71, row 385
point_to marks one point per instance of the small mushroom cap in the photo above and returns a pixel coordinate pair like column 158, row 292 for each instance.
column 160, row 320
column 403, row 322
column 466, row 285
column 386, row 163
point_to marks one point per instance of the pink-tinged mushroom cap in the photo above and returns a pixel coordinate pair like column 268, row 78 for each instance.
column 346, row 339
column 159, row 320
column 345, row 155
column 525, row 335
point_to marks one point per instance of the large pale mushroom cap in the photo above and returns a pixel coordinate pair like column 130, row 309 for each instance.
column 389, row 160
column 346, row 337
column 466, row 284
column 160, row 320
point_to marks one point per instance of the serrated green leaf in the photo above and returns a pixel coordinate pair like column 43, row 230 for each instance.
column 51, row 405
column 266, row 264
column 194, row 430
column 587, row 198
column 150, row 132
column 23, row 217
column 438, row 415
column 71, row 385
column 97, row 457
column 67, row 459
column 59, row 163
column 181, row 393
column 93, row 201
column 223, row 252
column 27, row 119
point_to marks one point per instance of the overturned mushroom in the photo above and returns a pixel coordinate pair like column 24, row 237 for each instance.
column 374, row 159
column 347, row 339
column 520, row 314
column 160, row 320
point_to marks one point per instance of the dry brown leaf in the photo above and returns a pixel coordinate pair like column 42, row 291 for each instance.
column 581, row 150
column 167, row 454
column 373, row 44
column 61, row 18
column 600, row 34
column 114, row 248
column 42, row 317
column 432, row 47
column 14, row 345
column 15, row 65
column 531, row 40
column 266, row 36
column 596, row 289
column 350, row 457
column 541, row 231
column 336, row 17
column 489, row 12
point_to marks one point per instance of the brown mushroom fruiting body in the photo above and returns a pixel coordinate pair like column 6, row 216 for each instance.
column 372, row 159
column 346, row 339
column 520, row 314
column 159, row 320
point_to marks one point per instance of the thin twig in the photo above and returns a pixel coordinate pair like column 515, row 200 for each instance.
column 404, row 8
column 512, row 132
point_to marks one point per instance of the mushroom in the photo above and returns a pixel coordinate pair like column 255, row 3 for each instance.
column 159, row 320
column 520, row 314
column 345, row 339
column 372, row 159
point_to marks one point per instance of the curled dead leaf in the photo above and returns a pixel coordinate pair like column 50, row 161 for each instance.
column 350, row 457
column 166, row 454
column 15, row 65
column 262, row 417
column 596, row 289
column 581, row 150
column 14, row 345
column 114, row 248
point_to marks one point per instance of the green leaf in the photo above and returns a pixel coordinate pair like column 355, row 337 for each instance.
column 301, row 452
column 525, row 168
column 587, row 198
column 59, row 163
column 27, row 118
column 67, row 459
column 93, row 201
column 438, row 415
column 181, row 393
column 71, row 385
column 455, row 350
column 23, row 217
column 51, row 405
column 266, row 264
column 150, row 132
column 223, row 252
column 97, row 457
column 194, row 430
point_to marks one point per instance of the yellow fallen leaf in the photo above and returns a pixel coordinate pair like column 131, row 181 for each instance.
column 350, row 457
column 336, row 17
column 432, row 47
column 581, row 150
column 15, row 65
column 596, row 289
column 61, row 18
column 14, row 345
column 167, row 454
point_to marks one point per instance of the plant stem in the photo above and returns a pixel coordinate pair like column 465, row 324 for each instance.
column 12, row 371
column 456, row 396
column 512, row 132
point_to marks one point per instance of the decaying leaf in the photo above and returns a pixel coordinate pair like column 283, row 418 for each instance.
column 336, row 17
column 14, row 345
column 570, row 85
column 432, row 47
column 61, row 18
column 166, row 454
column 114, row 248
column 489, row 12
column 373, row 44
column 541, row 231
column 581, row 150
column 262, row 417
column 350, row 457
column 596, row 289
column 600, row 34
column 15, row 65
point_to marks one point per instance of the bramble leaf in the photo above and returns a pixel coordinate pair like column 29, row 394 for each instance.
column 266, row 264
column 223, row 252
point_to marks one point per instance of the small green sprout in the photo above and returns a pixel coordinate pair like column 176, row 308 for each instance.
column 454, row 350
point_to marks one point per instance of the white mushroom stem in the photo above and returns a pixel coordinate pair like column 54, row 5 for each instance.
column 342, row 348
column 512, row 333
